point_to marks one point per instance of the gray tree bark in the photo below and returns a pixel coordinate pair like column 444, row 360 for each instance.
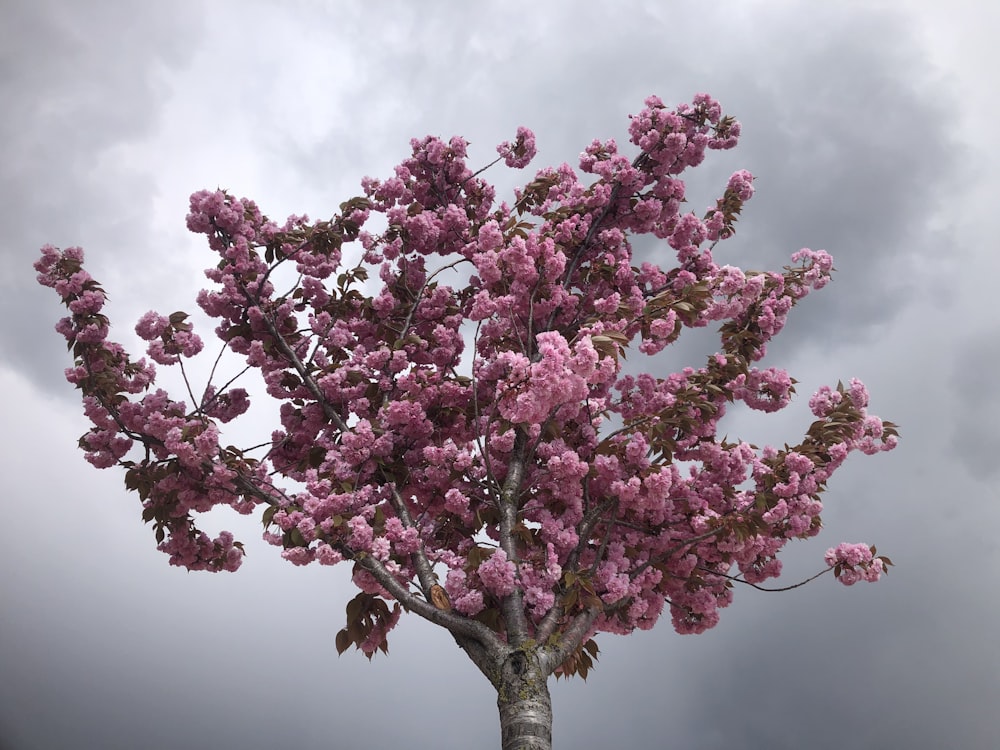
column 524, row 703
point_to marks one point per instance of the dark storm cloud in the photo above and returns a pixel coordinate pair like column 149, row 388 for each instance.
column 852, row 154
column 78, row 80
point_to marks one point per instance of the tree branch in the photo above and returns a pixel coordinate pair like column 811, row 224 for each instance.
column 512, row 605
column 737, row 579
column 456, row 624
column 551, row 656
column 300, row 368
column 425, row 572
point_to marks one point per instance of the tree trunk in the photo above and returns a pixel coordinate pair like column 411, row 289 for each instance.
column 525, row 705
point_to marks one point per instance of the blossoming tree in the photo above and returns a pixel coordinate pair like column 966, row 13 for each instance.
column 477, row 450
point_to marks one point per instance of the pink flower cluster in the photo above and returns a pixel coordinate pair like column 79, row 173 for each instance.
column 520, row 154
column 170, row 338
column 184, row 471
column 498, row 574
column 854, row 562
column 457, row 398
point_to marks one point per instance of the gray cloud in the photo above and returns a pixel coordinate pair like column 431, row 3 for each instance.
column 80, row 81
column 853, row 141
column 975, row 438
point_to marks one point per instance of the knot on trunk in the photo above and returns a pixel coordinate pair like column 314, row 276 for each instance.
column 518, row 662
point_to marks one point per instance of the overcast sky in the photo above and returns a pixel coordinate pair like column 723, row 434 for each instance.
column 871, row 128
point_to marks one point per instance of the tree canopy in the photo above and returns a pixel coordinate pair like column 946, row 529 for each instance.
column 458, row 420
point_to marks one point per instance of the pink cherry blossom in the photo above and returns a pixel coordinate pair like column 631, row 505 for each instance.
column 497, row 574
column 855, row 562
column 461, row 392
